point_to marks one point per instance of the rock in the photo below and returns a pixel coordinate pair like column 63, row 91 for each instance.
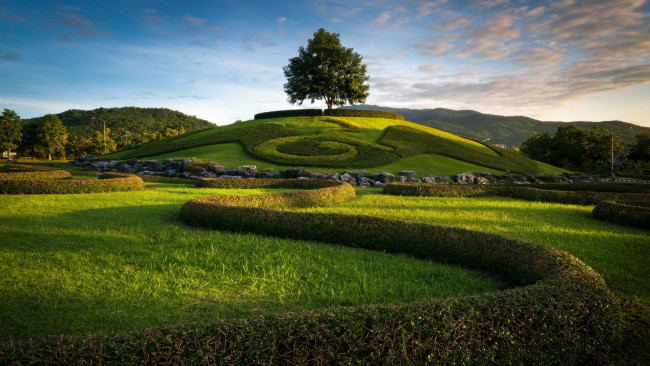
column 216, row 168
column 247, row 171
column 172, row 172
column 317, row 176
column 383, row 177
column 442, row 180
column 186, row 162
column 483, row 174
column 463, row 178
column 430, row 180
column 481, row 180
column 414, row 180
column 334, row 176
column 364, row 182
column 267, row 175
column 378, row 184
column 296, row 172
column 401, row 179
column 408, row 173
column 547, row 178
column 346, row 177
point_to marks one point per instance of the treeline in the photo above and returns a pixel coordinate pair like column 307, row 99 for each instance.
column 585, row 150
column 104, row 130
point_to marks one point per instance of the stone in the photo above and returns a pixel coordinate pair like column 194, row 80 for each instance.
column 267, row 175
column 334, row 176
column 346, row 177
column 481, row 180
column 547, row 178
column 442, row 180
column 408, row 173
column 483, row 174
column 172, row 172
column 463, row 178
column 247, row 171
column 364, row 182
column 430, row 180
column 414, row 180
column 401, row 179
column 317, row 176
column 383, row 177
column 296, row 172
column 378, row 184
column 216, row 168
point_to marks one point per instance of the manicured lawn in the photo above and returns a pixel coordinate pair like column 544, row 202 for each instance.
column 122, row 261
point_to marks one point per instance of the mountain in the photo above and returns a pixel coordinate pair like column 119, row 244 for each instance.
column 508, row 130
column 127, row 121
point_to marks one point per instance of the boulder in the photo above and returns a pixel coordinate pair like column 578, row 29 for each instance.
column 296, row 172
column 346, row 177
column 463, row 178
column 267, row 175
column 383, row 177
column 247, row 171
column 172, row 172
column 317, row 175
column 442, row 179
column 408, row 173
column 364, row 182
column 481, row 180
column 414, row 180
column 334, row 176
column 378, row 184
column 401, row 179
column 430, row 180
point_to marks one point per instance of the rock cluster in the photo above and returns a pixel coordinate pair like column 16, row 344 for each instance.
column 188, row 168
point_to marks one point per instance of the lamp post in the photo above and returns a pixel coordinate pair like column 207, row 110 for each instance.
column 613, row 176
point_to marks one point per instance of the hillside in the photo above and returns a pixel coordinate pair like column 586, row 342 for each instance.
column 322, row 143
column 127, row 121
column 509, row 130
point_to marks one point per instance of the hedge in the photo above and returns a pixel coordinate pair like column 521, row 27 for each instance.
column 561, row 313
column 290, row 113
column 623, row 214
column 632, row 209
column 408, row 141
column 107, row 182
column 18, row 171
column 362, row 113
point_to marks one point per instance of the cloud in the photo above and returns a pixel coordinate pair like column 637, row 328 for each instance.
column 433, row 48
column 9, row 15
column 281, row 20
column 337, row 14
column 257, row 38
column 453, row 24
column 192, row 21
column 536, row 57
column 491, row 40
column 381, row 19
column 88, row 33
column 425, row 8
column 9, row 56
column 150, row 16
column 70, row 20
column 430, row 69
column 486, row 4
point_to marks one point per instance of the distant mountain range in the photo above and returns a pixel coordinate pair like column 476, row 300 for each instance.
column 508, row 130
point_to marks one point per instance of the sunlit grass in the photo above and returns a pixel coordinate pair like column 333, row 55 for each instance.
column 620, row 254
column 122, row 261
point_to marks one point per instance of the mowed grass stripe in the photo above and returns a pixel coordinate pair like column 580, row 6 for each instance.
column 122, row 261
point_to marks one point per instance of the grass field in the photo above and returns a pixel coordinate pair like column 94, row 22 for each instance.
column 121, row 261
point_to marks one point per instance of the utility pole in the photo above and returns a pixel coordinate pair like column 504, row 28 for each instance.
column 613, row 176
column 104, row 137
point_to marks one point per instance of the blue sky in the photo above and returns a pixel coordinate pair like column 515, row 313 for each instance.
column 222, row 60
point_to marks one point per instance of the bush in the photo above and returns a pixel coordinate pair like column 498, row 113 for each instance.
column 105, row 183
column 290, row 113
column 623, row 214
column 408, row 141
column 17, row 171
column 362, row 113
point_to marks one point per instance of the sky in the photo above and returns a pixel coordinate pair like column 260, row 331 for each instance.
column 565, row 60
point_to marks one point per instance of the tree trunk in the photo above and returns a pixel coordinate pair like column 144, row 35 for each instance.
column 49, row 156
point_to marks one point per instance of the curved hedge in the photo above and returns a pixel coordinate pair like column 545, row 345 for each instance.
column 623, row 214
column 362, row 113
column 561, row 313
column 107, row 182
column 632, row 209
column 290, row 113
column 17, row 171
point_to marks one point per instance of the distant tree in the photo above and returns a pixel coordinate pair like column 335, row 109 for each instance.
column 10, row 130
column 326, row 70
column 600, row 142
column 642, row 146
column 52, row 135
column 30, row 145
column 569, row 147
column 99, row 146
column 538, row 147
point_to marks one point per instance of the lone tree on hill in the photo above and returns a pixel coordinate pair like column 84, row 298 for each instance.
column 326, row 70
column 10, row 127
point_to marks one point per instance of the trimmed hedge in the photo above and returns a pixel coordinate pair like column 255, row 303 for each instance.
column 18, row 171
column 562, row 313
column 367, row 113
column 623, row 214
column 107, row 182
column 290, row 113
column 408, row 141
column 632, row 209
column 160, row 179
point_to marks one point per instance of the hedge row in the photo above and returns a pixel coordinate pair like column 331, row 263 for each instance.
column 362, row 113
column 408, row 141
column 19, row 171
column 623, row 214
column 290, row 113
column 114, row 183
column 600, row 187
column 329, row 112
column 562, row 313
column 632, row 209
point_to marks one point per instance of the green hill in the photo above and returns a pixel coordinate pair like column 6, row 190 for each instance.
column 127, row 122
column 374, row 144
column 508, row 130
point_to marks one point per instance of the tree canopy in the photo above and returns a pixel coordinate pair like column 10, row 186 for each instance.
column 326, row 70
column 10, row 130
column 52, row 135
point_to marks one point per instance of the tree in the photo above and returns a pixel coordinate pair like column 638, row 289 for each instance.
column 538, row 147
column 99, row 146
column 10, row 131
column 52, row 135
column 326, row 70
column 642, row 146
column 600, row 142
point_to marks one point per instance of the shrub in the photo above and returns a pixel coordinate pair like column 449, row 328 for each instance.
column 362, row 113
column 105, row 183
column 290, row 113
column 159, row 179
column 408, row 141
column 18, row 171
column 623, row 214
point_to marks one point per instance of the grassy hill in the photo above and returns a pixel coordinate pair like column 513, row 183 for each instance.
column 509, row 130
column 127, row 121
column 321, row 143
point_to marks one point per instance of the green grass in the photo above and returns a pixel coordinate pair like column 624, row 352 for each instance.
column 620, row 254
column 122, row 261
